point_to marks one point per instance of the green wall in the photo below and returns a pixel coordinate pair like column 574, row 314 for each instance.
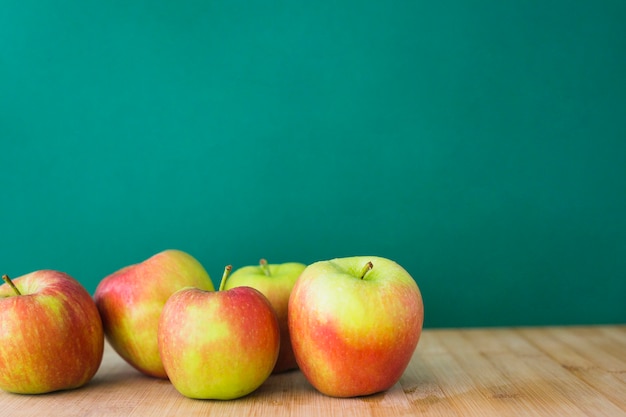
column 482, row 145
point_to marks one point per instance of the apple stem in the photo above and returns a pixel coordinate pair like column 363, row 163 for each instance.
column 265, row 267
column 368, row 266
column 227, row 270
column 11, row 284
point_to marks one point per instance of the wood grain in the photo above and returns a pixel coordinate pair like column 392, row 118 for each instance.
column 538, row 371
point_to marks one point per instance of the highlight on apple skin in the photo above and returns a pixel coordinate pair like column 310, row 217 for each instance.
column 51, row 335
column 355, row 323
column 131, row 299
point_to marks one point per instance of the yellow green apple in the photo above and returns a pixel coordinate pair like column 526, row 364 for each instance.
column 275, row 281
column 131, row 299
column 51, row 335
column 218, row 345
column 355, row 323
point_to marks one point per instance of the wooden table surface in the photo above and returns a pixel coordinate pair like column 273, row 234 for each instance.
column 545, row 371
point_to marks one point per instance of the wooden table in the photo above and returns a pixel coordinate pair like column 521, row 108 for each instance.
column 546, row 371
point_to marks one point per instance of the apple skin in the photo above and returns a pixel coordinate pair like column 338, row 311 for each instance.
column 51, row 335
column 218, row 345
column 130, row 303
column 351, row 336
column 277, row 288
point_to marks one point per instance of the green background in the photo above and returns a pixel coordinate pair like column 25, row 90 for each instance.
column 482, row 145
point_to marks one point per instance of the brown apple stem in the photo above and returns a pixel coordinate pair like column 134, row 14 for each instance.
column 227, row 270
column 368, row 266
column 265, row 267
column 6, row 279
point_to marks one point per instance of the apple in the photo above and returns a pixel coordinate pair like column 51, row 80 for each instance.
column 275, row 282
column 130, row 302
column 218, row 345
column 51, row 335
column 355, row 323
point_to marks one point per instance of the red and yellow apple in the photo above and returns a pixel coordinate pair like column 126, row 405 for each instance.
column 355, row 323
column 218, row 344
column 51, row 335
column 130, row 302
column 274, row 281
